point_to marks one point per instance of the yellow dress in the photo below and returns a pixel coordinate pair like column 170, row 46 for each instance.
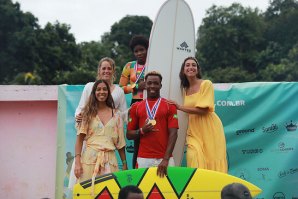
column 99, row 156
column 206, row 144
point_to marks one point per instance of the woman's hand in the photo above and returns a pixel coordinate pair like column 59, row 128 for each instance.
column 78, row 168
column 79, row 118
column 174, row 103
column 190, row 110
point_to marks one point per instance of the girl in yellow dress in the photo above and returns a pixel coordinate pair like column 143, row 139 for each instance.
column 206, row 144
column 102, row 129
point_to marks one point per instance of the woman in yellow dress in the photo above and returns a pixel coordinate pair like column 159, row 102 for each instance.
column 206, row 144
column 102, row 129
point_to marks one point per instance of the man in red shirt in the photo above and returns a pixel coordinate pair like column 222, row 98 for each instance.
column 155, row 122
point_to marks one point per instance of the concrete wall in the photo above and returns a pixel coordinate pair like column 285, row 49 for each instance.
column 28, row 127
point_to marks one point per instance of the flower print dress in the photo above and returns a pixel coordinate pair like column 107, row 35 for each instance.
column 99, row 156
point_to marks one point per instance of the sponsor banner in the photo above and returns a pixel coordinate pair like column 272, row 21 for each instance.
column 260, row 121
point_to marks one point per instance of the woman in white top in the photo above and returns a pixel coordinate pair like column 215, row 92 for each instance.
column 106, row 71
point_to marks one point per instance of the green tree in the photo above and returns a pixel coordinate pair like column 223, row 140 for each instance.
column 117, row 41
column 92, row 52
column 79, row 75
column 86, row 71
column 58, row 52
column 281, row 18
column 230, row 37
column 114, row 44
column 26, row 79
column 271, row 55
column 17, row 41
column 122, row 31
column 231, row 74
column 285, row 70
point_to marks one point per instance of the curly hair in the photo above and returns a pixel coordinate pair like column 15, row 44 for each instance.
column 91, row 108
column 153, row 73
column 138, row 40
column 184, row 82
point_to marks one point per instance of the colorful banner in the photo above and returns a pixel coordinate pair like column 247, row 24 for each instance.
column 260, row 122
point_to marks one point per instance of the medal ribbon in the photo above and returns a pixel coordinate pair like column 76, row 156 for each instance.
column 136, row 69
column 151, row 113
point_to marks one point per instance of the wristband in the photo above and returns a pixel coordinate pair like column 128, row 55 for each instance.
column 78, row 154
column 124, row 162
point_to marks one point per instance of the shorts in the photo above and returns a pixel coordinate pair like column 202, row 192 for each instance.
column 152, row 162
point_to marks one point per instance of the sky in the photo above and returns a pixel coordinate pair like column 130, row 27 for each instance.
column 90, row 19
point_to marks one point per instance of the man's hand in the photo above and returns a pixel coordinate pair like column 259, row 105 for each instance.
column 162, row 168
column 148, row 127
column 124, row 167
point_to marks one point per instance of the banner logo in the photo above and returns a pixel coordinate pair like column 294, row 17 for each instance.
column 230, row 103
column 130, row 148
column 251, row 151
column 245, row 131
column 263, row 169
column 270, row 129
column 285, row 173
column 279, row 195
column 291, row 126
column 264, row 174
column 282, row 148
column 183, row 47
column 243, row 174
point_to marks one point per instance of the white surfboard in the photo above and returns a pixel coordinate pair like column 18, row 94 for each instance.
column 172, row 39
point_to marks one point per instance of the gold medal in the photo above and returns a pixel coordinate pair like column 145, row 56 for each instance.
column 153, row 122
column 133, row 85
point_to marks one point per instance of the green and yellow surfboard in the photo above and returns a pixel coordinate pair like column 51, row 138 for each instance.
column 181, row 182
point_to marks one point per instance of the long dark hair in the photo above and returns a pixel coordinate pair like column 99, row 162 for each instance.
column 184, row 82
column 90, row 109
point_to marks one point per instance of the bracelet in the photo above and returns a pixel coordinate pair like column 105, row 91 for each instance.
column 78, row 154
column 124, row 162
